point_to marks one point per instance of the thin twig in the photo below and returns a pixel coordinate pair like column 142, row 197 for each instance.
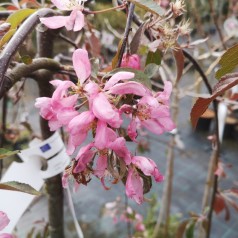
column 126, row 33
column 68, row 40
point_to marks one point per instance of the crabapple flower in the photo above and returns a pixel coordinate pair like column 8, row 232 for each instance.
column 75, row 21
column 148, row 167
column 134, row 186
column 131, row 61
column 58, row 110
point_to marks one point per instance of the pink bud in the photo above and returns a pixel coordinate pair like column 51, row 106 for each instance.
column 4, row 220
column 131, row 61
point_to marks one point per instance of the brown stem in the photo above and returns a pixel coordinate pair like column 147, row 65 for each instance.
column 23, row 70
column 126, row 33
column 164, row 214
column 11, row 48
column 3, row 128
column 53, row 185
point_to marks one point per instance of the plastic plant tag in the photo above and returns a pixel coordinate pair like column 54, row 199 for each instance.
column 52, row 150
column 14, row 204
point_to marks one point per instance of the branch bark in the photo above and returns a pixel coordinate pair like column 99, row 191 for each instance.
column 53, row 185
column 11, row 48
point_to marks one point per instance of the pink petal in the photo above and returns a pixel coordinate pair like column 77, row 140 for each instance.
column 167, row 123
column 84, row 150
column 120, row 76
column 84, row 156
column 54, row 125
column 81, row 64
column 75, row 140
column 103, row 110
column 134, row 186
column 6, row 235
column 131, row 130
column 104, row 135
column 4, row 220
column 130, row 88
column 61, row 88
column 65, row 180
column 61, row 4
column 81, row 123
column 153, row 126
column 79, row 21
column 120, row 148
column 164, row 96
column 44, row 103
column 54, row 22
column 65, row 115
column 71, row 20
column 148, row 167
column 101, row 166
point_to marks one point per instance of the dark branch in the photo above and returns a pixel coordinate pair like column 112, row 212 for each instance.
column 11, row 48
column 23, row 70
column 126, row 34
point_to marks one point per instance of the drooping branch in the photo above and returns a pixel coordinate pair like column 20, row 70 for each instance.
column 23, row 70
column 18, row 38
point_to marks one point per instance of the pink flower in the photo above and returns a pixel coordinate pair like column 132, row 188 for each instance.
column 148, row 167
column 6, row 235
column 81, row 64
column 131, row 61
column 105, row 112
column 58, row 110
column 75, row 21
column 78, row 129
column 84, row 156
column 4, row 220
column 134, row 186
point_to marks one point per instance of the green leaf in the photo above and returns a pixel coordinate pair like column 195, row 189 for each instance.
column 19, row 16
column 140, row 76
column 154, row 57
column 26, row 59
column 228, row 61
column 149, row 5
column 190, row 230
column 7, row 37
column 151, row 69
column 6, row 153
column 181, row 229
column 19, row 187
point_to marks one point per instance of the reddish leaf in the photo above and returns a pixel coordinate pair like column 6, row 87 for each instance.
column 202, row 104
column 179, row 59
column 219, row 204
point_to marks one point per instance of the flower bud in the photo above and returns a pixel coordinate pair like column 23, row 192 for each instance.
column 131, row 61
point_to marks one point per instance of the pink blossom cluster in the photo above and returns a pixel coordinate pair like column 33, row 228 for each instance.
column 4, row 221
column 100, row 106
column 118, row 212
